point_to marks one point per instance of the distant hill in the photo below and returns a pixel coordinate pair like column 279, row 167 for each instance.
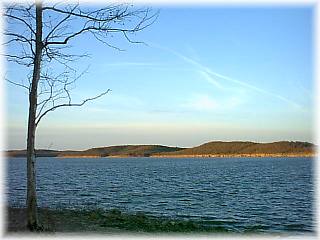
column 125, row 150
column 39, row 153
column 249, row 148
column 213, row 149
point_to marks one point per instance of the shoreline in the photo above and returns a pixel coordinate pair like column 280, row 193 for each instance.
column 214, row 149
column 111, row 221
column 183, row 156
column 115, row 222
column 262, row 155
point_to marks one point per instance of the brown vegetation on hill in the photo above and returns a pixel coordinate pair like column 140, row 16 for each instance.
column 236, row 147
column 213, row 149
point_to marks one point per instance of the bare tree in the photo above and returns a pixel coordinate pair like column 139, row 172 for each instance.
column 41, row 33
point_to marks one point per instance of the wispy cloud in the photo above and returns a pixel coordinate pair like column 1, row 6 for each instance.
column 149, row 65
column 204, row 102
column 119, row 102
column 201, row 102
column 134, row 64
column 217, row 79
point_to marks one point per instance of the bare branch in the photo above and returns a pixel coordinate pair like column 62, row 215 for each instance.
column 88, row 15
column 18, row 84
column 130, row 41
column 20, row 36
column 108, row 44
column 92, row 28
column 17, row 57
column 100, row 22
column 21, row 20
column 20, row 59
column 61, row 22
column 71, row 105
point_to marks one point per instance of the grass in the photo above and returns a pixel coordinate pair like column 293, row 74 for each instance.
column 114, row 221
column 111, row 221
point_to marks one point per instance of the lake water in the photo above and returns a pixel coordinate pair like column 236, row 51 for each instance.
column 264, row 194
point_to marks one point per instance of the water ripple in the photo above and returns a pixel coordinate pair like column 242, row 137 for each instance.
column 242, row 195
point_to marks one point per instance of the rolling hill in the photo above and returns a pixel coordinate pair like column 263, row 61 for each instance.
column 213, row 149
column 249, row 148
column 125, row 150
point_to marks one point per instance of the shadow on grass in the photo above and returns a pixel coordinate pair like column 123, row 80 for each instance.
column 111, row 221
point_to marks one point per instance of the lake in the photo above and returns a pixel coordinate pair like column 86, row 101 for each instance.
column 263, row 194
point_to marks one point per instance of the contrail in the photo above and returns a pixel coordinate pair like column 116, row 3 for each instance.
column 254, row 88
column 208, row 71
column 211, row 80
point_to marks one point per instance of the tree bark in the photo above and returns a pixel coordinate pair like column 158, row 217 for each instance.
column 32, row 216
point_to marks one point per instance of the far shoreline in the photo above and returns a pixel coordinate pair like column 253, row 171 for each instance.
column 183, row 156
column 198, row 156
column 214, row 149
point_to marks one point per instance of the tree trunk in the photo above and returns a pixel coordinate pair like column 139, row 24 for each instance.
column 31, row 158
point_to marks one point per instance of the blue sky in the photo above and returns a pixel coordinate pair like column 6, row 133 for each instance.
column 214, row 73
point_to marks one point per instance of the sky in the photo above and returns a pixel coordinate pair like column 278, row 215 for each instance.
column 204, row 74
